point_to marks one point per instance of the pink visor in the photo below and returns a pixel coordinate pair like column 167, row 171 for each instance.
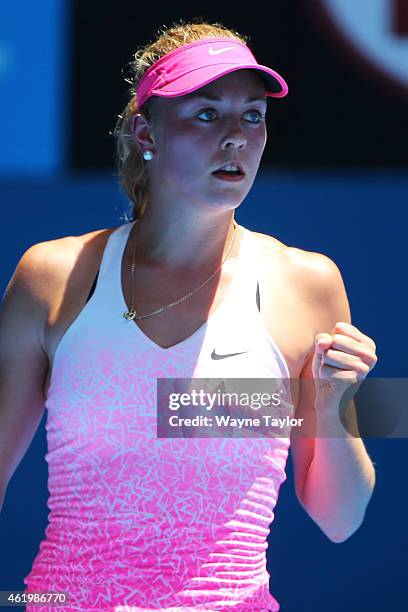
column 192, row 66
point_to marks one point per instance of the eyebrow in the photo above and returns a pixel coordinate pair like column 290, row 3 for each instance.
column 208, row 96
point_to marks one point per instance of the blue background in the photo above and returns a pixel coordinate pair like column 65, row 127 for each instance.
column 306, row 197
column 359, row 222
column 34, row 77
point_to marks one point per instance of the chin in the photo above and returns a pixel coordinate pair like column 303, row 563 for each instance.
column 225, row 203
column 231, row 196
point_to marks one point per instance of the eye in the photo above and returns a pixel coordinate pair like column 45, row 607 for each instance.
column 210, row 112
column 255, row 116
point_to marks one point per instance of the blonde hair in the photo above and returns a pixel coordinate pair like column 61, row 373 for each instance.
column 130, row 165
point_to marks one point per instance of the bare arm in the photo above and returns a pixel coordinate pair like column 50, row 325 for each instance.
column 334, row 476
column 23, row 360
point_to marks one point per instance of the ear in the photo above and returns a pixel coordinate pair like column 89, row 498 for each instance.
column 143, row 132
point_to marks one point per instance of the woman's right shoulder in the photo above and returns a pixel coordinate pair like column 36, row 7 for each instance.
column 33, row 290
column 66, row 245
column 45, row 266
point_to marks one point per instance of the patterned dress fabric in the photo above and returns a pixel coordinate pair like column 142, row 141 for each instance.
column 141, row 523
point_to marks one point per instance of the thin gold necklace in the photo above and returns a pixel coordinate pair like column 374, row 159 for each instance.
column 132, row 314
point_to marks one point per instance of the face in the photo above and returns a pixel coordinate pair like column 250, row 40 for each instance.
column 196, row 134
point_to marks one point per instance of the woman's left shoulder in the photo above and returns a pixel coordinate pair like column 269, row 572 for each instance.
column 310, row 267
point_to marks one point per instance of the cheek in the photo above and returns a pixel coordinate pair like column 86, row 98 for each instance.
column 181, row 147
column 185, row 151
column 259, row 140
column 177, row 132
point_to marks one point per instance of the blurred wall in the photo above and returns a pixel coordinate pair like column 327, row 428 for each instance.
column 340, row 112
column 34, row 78
column 333, row 180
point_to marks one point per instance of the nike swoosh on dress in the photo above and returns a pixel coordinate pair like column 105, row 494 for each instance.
column 215, row 356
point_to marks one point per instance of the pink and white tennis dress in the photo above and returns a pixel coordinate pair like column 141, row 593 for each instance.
column 141, row 523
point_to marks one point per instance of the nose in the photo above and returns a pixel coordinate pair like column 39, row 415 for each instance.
column 234, row 138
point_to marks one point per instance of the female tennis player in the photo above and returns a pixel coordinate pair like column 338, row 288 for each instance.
column 143, row 522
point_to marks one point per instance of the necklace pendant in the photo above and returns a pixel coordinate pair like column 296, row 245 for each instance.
column 130, row 314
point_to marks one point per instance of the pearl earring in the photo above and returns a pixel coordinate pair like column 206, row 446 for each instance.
column 147, row 155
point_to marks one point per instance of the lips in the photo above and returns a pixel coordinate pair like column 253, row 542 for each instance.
column 228, row 176
column 232, row 163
